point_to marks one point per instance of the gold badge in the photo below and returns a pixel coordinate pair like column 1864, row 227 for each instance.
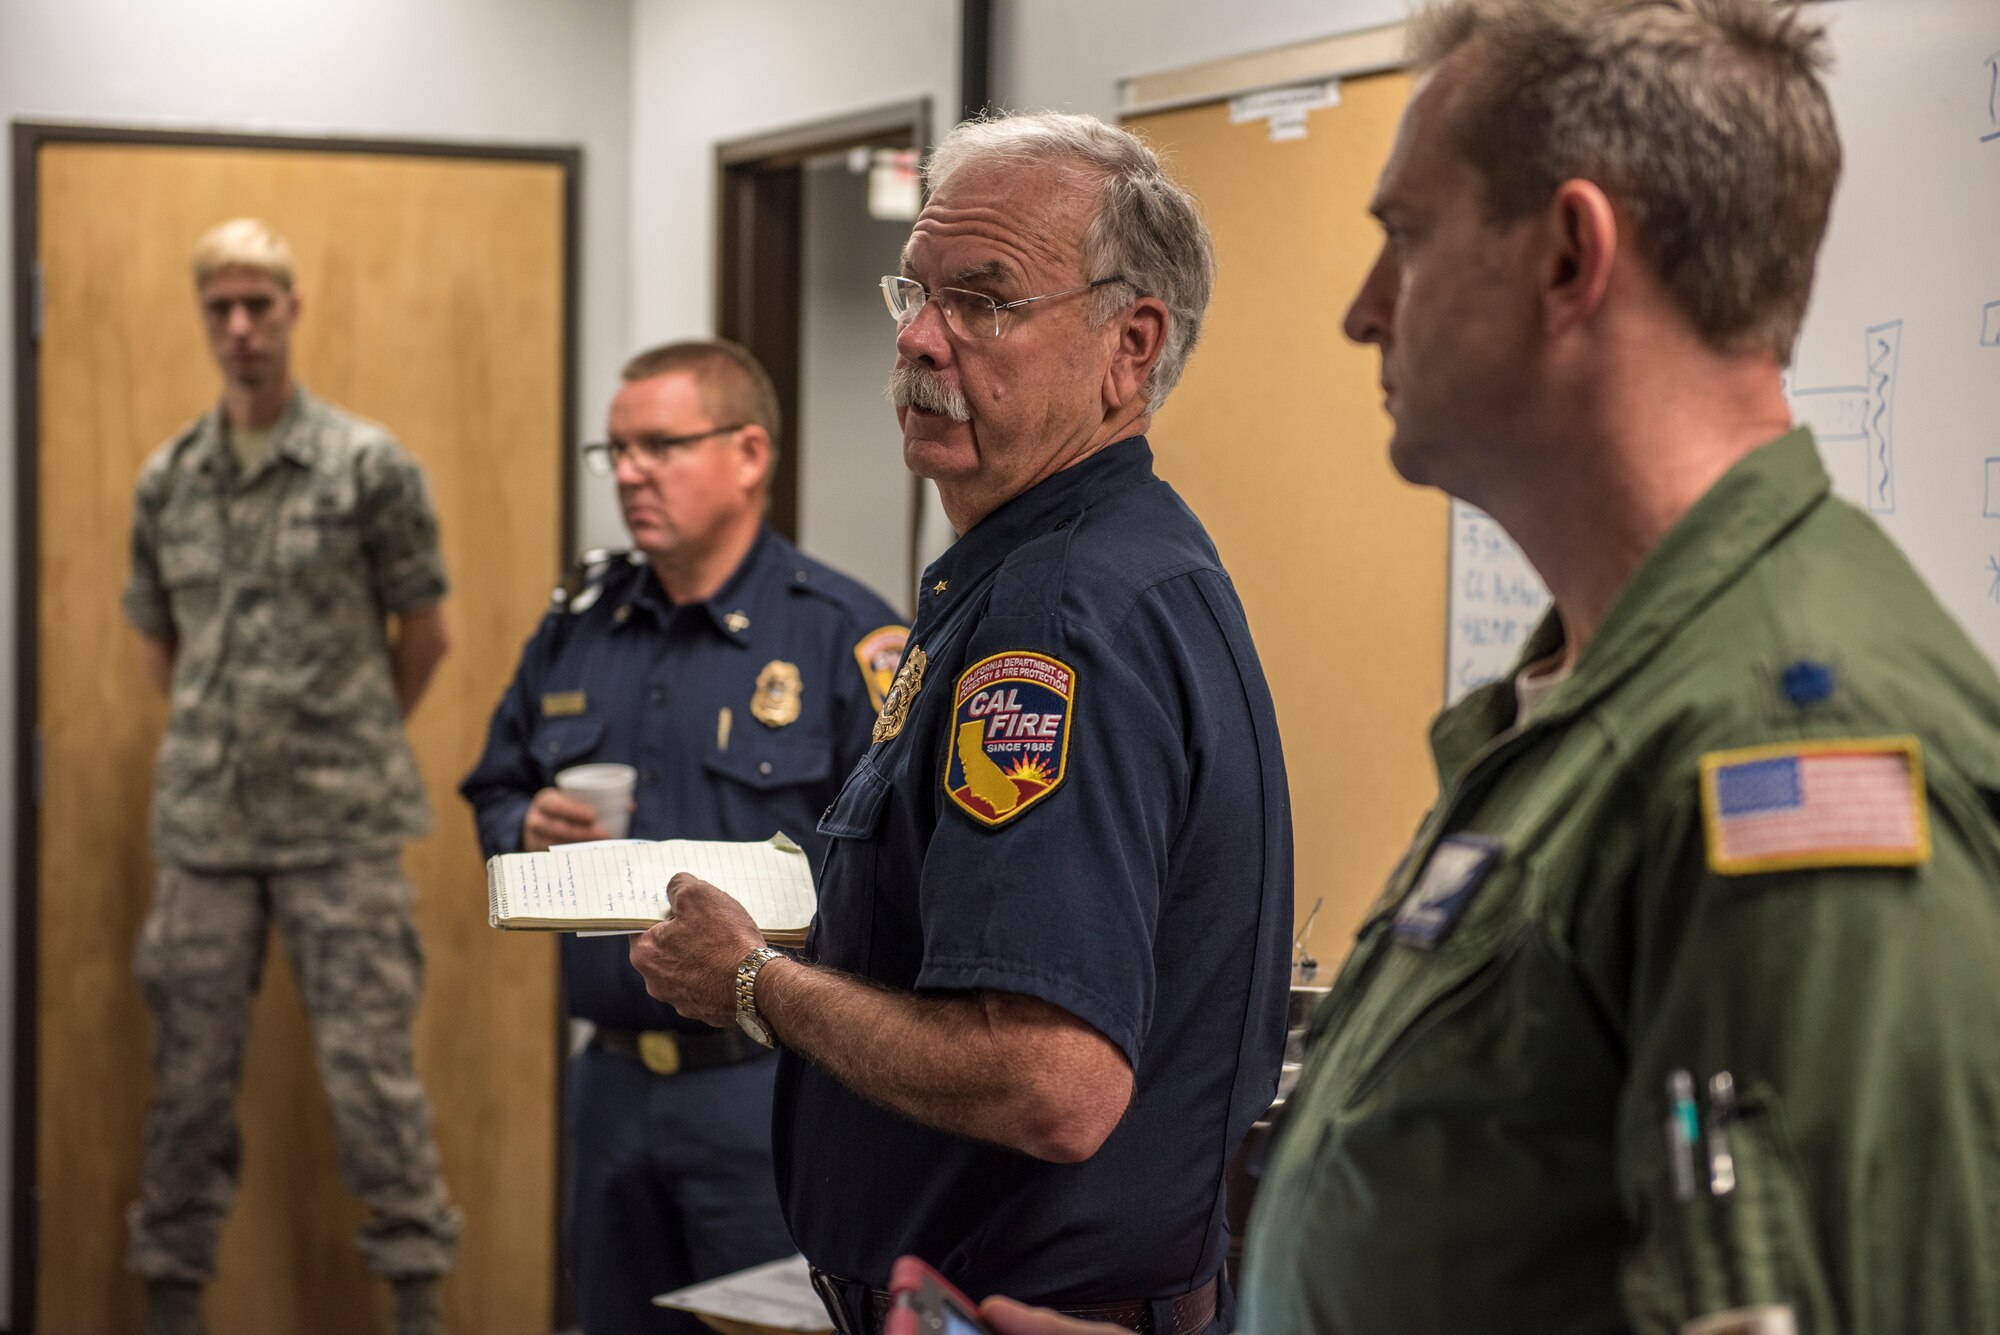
column 776, row 701
column 902, row 693
column 877, row 654
column 562, row 704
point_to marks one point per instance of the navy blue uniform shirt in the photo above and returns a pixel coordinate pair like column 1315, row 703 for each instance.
column 621, row 674
column 1086, row 804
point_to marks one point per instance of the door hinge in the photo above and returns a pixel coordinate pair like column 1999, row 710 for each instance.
column 35, row 290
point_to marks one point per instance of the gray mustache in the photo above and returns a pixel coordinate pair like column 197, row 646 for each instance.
column 916, row 387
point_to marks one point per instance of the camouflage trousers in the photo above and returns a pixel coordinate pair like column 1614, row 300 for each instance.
column 353, row 947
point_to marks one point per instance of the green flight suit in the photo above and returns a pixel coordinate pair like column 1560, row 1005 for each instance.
column 1479, row 1140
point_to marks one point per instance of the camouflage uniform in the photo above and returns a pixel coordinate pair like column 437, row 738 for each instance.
column 284, row 791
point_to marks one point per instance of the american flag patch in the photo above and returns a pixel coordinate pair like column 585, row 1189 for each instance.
column 1815, row 804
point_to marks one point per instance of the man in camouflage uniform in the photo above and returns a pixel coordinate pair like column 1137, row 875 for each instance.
column 274, row 542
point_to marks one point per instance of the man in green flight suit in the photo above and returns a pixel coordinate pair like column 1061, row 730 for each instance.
column 1682, row 1013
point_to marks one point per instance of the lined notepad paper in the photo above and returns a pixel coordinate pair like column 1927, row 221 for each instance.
column 622, row 885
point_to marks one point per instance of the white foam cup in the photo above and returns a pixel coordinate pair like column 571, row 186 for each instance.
column 607, row 789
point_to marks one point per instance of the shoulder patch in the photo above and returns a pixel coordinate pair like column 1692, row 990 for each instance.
column 1849, row 803
column 1010, row 728
column 877, row 655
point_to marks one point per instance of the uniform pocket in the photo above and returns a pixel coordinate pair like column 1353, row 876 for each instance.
column 857, row 812
column 774, row 763
column 317, row 546
column 560, row 743
column 1423, row 1004
column 1750, row 1247
column 187, row 559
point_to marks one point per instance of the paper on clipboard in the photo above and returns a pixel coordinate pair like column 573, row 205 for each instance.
column 777, row 1295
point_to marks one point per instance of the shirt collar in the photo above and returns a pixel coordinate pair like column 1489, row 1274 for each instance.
column 736, row 609
column 1755, row 504
column 292, row 436
column 295, row 436
column 1048, row 505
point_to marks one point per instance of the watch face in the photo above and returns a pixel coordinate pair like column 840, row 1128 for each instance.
column 748, row 1022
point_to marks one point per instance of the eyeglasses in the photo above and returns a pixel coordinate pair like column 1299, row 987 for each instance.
column 967, row 314
column 602, row 456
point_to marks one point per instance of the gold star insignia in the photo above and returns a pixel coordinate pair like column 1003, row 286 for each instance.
column 941, row 586
column 736, row 622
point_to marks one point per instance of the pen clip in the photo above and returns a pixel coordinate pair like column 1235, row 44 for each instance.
column 1683, row 1132
column 1722, row 1114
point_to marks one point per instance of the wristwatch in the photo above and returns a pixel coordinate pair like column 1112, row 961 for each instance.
column 747, row 1018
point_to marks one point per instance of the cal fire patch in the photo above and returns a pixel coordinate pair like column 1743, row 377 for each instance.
column 877, row 654
column 1009, row 734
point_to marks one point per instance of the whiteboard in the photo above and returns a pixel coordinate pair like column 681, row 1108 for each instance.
column 1496, row 600
column 1898, row 367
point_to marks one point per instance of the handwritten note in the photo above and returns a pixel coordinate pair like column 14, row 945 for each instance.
column 623, row 883
column 1495, row 601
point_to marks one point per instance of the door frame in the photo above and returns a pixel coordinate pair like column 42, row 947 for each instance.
column 759, row 258
column 29, row 137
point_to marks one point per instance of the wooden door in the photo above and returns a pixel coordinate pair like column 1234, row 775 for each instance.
column 435, row 303
column 1278, row 440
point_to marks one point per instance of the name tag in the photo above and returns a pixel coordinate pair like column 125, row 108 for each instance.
column 562, row 704
column 1453, row 875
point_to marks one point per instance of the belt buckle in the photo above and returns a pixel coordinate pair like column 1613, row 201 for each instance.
column 659, row 1051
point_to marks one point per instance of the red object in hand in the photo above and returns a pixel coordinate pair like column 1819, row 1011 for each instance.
column 925, row 1303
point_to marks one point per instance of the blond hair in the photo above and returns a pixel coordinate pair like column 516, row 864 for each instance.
column 1706, row 119
column 243, row 243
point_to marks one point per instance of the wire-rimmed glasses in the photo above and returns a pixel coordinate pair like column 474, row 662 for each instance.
column 968, row 314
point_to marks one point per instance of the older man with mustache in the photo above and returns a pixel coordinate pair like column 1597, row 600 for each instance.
column 1044, row 996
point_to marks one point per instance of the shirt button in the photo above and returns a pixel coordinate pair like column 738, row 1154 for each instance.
column 764, row 768
column 659, row 695
column 650, row 775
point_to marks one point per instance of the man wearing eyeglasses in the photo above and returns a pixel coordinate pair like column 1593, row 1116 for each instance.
column 740, row 678
column 1044, row 998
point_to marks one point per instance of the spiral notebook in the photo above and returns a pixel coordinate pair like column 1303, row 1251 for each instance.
column 621, row 885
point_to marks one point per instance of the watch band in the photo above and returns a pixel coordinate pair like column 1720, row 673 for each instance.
column 748, row 1018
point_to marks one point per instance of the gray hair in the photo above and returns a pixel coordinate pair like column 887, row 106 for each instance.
column 1147, row 227
column 1707, row 119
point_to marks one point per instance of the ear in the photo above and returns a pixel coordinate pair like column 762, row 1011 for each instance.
column 1582, row 237
column 753, row 458
column 297, row 295
column 1141, row 330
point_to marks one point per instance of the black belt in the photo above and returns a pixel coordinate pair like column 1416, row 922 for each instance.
column 669, row 1051
column 857, row 1309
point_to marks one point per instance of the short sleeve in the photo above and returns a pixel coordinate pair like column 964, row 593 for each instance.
column 145, row 597
column 399, row 531
column 1047, row 870
column 503, row 783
